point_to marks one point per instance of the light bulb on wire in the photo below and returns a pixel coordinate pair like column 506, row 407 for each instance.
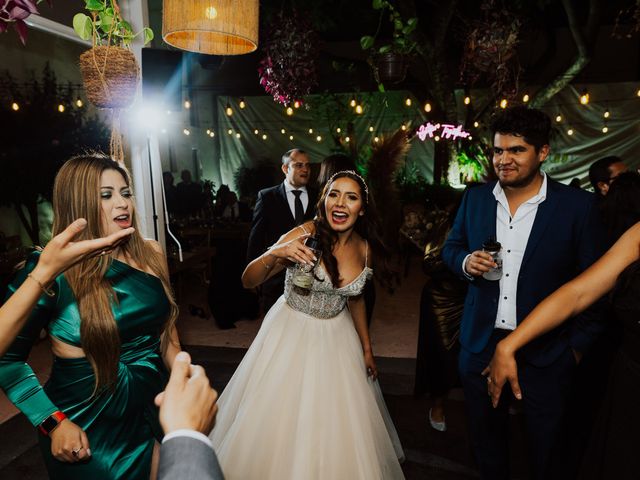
column 606, row 113
column 79, row 103
column 15, row 107
column 525, row 98
column 228, row 110
column 584, row 97
column 503, row 103
column 427, row 107
column 359, row 109
column 242, row 104
column 187, row 104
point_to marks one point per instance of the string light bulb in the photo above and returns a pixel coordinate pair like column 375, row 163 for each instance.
column 208, row 131
column 476, row 124
column 228, row 110
column 437, row 138
column 467, row 100
column 638, row 93
column 376, row 139
column 584, row 97
column 319, row 138
column 242, row 104
column 525, row 98
column 606, row 113
column 61, row 108
column 570, row 132
column 79, row 103
column 283, row 131
column 371, row 129
column 230, row 132
column 338, row 130
column 186, row 132
column 503, row 103
column 238, row 135
column 353, row 102
column 291, row 137
column 359, row 109
column 605, row 129
column 296, row 104
column 264, row 136
column 256, row 131
column 15, row 107
column 347, row 139
column 427, row 107
column 403, row 127
column 407, row 101
column 289, row 111
column 212, row 134
column 558, row 118
column 311, row 131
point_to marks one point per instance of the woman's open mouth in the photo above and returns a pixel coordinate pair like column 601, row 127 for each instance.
column 123, row 221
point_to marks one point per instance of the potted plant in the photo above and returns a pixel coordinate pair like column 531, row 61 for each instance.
column 390, row 60
column 109, row 69
column 288, row 71
column 15, row 12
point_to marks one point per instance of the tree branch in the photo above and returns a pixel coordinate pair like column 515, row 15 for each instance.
column 584, row 42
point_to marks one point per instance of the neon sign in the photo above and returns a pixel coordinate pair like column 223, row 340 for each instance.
column 448, row 131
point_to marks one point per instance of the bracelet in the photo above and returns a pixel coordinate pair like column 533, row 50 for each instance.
column 51, row 422
column 46, row 290
column 267, row 266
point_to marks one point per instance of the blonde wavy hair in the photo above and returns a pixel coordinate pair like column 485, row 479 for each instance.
column 76, row 194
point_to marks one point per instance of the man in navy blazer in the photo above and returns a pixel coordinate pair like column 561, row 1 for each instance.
column 548, row 233
column 276, row 213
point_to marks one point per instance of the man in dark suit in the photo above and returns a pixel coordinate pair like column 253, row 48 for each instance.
column 187, row 414
column 548, row 234
column 279, row 209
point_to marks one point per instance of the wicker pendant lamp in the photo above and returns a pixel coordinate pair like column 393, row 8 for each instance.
column 215, row 27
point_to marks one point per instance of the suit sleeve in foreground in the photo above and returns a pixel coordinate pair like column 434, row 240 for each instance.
column 186, row 458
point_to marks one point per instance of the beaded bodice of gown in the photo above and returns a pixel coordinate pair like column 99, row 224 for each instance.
column 324, row 300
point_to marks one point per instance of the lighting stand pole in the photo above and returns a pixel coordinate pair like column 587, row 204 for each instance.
column 146, row 167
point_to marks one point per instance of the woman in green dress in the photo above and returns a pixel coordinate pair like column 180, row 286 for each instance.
column 111, row 322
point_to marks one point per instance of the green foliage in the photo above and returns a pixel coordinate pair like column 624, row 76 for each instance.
column 37, row 139
column 402, row 40
column 106, row 26
column 472, row 162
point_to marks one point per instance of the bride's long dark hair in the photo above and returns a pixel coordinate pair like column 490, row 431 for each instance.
column 366, row 226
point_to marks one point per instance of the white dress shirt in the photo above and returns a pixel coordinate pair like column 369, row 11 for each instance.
column 188, row 433
column 513, row 234
column 291, row 198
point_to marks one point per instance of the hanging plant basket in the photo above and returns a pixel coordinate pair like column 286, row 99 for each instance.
column 390, row 67
column 110, row 76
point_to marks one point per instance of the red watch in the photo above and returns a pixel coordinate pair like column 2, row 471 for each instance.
column 51, row 422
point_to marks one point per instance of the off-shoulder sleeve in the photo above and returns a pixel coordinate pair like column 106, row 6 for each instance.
column 17, row 378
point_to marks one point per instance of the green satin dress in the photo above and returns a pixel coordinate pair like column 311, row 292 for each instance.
column 121, row 424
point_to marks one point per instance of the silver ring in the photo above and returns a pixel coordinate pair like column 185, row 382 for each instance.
column 76, row 451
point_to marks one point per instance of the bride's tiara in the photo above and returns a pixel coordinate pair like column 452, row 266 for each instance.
column 354, row 173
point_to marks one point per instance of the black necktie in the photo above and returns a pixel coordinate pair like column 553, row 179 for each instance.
column 299, row 209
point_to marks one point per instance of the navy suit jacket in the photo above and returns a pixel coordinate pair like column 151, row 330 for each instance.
column 566, row 238
column 272, row 218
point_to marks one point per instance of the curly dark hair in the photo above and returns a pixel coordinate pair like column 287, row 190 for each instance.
column 529, row 123
column 366, row 226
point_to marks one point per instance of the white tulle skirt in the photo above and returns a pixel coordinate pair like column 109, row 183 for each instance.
column 300, row 406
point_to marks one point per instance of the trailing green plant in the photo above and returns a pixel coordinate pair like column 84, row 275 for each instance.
column 402, row 41
column 472, row 162
column 105, row 25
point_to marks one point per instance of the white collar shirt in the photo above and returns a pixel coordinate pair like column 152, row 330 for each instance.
column 513, row 234
column 291, row 198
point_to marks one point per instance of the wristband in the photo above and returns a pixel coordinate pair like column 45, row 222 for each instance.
column 51, row 422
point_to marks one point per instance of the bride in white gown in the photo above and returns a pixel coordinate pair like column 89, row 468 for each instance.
column 304, row 402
